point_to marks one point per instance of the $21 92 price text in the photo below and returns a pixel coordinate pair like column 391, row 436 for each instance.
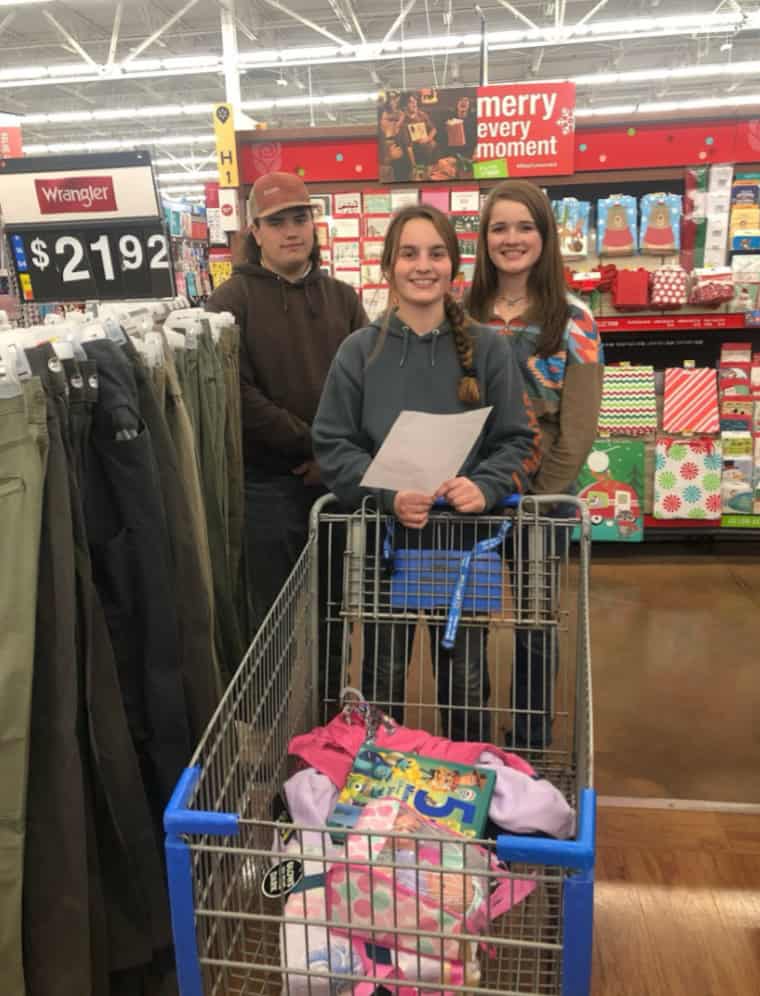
column 117, row 262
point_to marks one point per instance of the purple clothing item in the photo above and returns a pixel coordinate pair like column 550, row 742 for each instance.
column 311, row 797
column 527, row 805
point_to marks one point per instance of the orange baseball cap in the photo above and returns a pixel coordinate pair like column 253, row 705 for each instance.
column 276, row 192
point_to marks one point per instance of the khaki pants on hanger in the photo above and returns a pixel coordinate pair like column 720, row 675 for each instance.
column 23, row 450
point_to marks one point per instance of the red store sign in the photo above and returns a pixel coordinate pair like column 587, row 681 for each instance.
column 529, row 125
column 10, row 142
column 75, row 194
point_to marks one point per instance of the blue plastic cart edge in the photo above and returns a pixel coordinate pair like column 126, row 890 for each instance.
column 180, row 820
column 577, row 854
column 578, row 928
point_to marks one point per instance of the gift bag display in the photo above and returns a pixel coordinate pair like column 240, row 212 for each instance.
column 572, row 218
column 424, row 878
column 712, row 287
column 611, row 483
column 660, row 223
column 628, row 402
column 691, row 400
column 630, row 290
column 670, row 287
column 687, row 478
column 616, row 226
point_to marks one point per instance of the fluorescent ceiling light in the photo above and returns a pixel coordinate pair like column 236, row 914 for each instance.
column 190, row 61
column 292, row 102
column 668, row 106
column 201, row 174
column 309, row 52
column 614, row 109
column 21, row 3
column 193, row 161
column 121, row 113
column 702, row 103
column 190, row 188
column 417, row 47
column 114, row 144
column 142, row 65
column 23, row 72
column 747, row 68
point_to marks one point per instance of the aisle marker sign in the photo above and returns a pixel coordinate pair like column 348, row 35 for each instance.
column 226, row 146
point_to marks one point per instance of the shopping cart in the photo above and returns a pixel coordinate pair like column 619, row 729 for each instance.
column 239, row 872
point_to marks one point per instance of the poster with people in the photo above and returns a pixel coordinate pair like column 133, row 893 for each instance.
column 427, row 134
column 520, row 129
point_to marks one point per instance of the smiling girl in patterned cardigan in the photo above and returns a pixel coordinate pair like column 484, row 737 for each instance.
column 519, row 286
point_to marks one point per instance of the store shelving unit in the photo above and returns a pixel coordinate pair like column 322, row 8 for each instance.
column 610, row 159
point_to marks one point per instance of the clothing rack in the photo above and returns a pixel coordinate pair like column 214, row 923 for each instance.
column 125, row 616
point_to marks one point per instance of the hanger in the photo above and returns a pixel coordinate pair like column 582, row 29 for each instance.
column 64, row 335
column 175, row 339
column 187, row 322
column 218, row 321
column 14, row 365
column 12, row 340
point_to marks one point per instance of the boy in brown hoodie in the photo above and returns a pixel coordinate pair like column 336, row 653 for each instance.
column 292, row 318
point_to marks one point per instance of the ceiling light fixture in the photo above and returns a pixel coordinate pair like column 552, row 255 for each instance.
column 189, row 188
column 201, row 174
column 722, row 22
column 114, row 144
column 669, row 106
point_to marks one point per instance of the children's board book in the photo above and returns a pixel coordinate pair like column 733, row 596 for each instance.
column 456, row 796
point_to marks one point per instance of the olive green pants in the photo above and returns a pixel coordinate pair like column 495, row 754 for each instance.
column 23, row 452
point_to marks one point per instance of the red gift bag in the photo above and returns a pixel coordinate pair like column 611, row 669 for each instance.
column 630, row 290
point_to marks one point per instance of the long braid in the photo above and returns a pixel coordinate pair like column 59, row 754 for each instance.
column 469, row 390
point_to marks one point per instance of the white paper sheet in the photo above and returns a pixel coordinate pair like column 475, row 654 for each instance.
column 422, row 450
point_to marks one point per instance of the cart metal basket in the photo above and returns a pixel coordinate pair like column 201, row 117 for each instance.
column 358, row 611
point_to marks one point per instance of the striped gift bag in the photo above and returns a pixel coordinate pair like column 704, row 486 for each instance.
column 691, row 400
column 628, row 402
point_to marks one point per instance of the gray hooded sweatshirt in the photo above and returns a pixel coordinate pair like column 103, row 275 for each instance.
column 367, row 388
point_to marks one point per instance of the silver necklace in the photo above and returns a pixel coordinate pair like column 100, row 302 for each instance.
column 511, row 301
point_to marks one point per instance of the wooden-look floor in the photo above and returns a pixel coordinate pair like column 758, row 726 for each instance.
column 676, row 665
column 677, row 905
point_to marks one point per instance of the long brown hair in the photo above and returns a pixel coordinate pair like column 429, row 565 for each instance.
column 546, row 282
column 469, row 391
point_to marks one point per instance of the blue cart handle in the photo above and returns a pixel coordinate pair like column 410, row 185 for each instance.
column 510, row 501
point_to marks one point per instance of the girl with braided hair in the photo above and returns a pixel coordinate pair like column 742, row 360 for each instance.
column 426, row 355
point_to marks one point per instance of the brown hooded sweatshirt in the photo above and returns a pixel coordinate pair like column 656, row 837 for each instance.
column 289, row 333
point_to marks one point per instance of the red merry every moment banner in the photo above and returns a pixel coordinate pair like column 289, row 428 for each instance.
column 522, row 129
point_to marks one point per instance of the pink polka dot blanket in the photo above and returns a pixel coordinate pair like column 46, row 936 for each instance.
column 405, row 872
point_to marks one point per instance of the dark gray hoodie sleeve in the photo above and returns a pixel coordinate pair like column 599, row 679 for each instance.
column 342, row 448
column 509, row 453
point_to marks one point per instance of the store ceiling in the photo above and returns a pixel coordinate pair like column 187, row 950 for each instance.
column 36, row 39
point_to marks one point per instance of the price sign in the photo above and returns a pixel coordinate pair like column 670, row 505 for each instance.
column 113, row 261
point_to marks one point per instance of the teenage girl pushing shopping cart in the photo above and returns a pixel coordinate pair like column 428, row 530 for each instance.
column 247, row 897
